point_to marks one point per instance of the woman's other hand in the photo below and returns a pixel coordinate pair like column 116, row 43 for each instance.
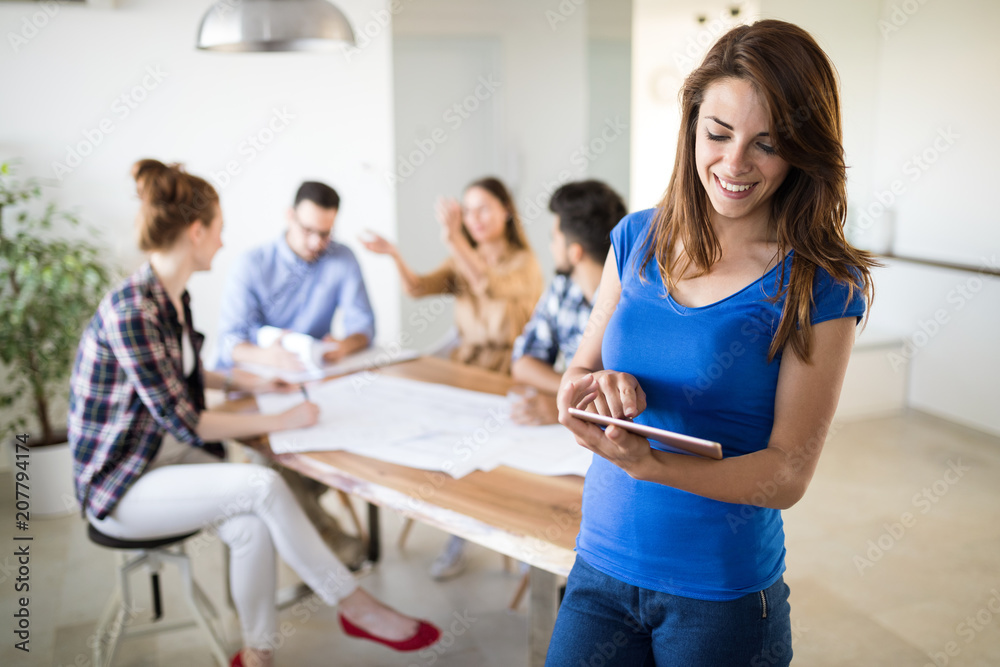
column 276, row 356
column 611, row 394
column 302, row 415
column 532, row 408
column 257, row 384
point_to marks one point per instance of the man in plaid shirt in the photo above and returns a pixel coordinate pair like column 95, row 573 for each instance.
column 586, row 212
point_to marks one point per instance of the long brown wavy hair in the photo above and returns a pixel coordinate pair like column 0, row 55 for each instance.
column 513, row 229
column 797, row 83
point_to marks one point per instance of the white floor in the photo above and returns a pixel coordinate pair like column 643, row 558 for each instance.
column 864, row 590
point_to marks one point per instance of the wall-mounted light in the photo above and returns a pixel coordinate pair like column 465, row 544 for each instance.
column 274, row 25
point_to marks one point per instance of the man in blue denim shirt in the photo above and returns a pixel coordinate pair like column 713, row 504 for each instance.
column 298, row 282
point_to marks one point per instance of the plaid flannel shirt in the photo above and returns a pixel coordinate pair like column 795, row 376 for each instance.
column 128, row 389
column 554, row 331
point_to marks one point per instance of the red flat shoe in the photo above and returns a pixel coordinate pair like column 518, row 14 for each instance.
column 237, row 660
column 425, row 635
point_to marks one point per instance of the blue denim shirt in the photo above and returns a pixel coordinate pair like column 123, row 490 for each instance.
column 272, row 286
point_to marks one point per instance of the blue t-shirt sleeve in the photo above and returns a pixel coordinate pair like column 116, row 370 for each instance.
column 834, row 299
column 628, row 237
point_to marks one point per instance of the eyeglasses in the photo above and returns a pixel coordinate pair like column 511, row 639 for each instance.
column 309, row 231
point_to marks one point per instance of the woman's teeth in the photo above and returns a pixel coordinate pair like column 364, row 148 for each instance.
column 732, row 187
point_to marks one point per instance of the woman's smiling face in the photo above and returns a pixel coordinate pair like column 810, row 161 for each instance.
column 734, row 155
column 484, row 215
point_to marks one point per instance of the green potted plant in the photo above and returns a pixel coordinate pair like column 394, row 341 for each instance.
column 50, row 286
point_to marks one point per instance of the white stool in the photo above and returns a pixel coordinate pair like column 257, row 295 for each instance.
column 116, row 620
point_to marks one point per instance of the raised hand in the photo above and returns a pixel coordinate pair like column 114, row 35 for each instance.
column 449, row 214
column 377, row 244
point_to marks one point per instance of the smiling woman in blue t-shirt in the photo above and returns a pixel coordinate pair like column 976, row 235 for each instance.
column 726, row 313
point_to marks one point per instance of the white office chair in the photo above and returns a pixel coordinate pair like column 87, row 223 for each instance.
column 117, row 620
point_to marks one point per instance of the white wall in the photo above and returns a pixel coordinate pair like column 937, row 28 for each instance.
column 544, row 96
column 449, row 109
column 609, row 108
column 937, row 87
column 65, row 81
column 609, row 94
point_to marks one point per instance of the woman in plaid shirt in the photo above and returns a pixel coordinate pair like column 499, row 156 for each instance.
column 138, row 427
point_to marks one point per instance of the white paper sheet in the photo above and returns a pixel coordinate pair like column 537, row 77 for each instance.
column 426, row 426
column 373, row 357
column 545, row 450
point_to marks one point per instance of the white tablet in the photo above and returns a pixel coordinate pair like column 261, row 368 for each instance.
column 678, row 442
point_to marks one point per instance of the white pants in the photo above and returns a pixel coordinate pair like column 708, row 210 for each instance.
column 254, row 513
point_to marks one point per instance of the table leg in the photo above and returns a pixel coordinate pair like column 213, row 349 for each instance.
column 374, row 543
column 544, row 605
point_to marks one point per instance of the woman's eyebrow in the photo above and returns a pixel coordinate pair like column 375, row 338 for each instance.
column 730, row 127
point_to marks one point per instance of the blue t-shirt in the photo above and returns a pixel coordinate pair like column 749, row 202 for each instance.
column 705, row 373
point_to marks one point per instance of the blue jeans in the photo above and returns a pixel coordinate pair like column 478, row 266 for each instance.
column 604, row 622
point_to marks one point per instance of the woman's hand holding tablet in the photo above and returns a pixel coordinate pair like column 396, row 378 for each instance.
column 684, row 444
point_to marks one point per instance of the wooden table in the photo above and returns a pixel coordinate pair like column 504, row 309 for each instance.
column 529, row 517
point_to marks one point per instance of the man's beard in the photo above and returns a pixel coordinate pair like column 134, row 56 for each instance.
column 564, row 271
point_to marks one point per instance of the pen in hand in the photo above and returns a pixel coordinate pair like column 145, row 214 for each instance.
column 304, row 393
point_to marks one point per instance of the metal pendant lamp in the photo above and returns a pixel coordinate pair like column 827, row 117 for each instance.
column 274, row 25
